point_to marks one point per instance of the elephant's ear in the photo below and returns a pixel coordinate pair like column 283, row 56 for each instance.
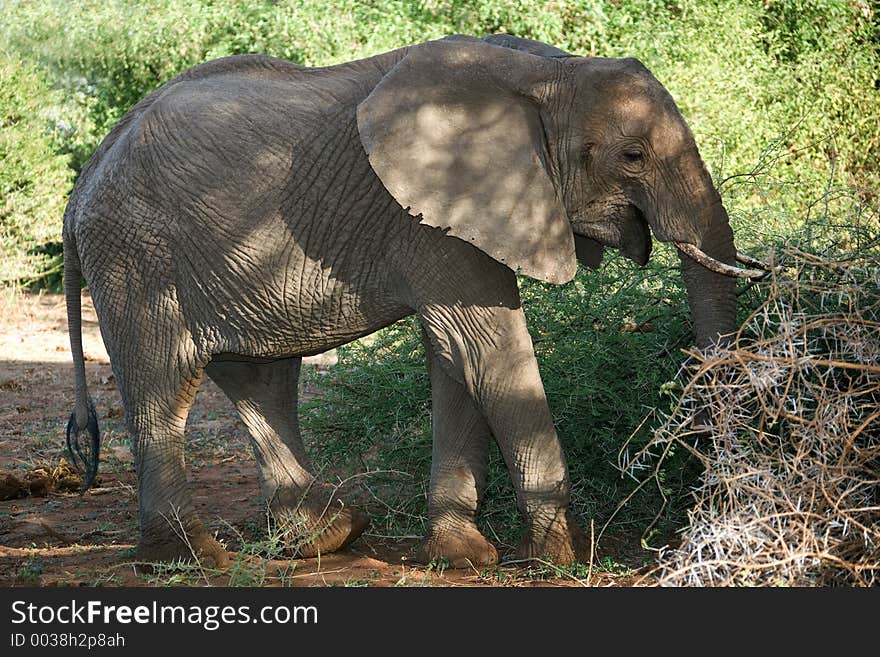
column 454, row 132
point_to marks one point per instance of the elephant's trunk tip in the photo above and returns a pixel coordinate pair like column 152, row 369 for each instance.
column 758, row 269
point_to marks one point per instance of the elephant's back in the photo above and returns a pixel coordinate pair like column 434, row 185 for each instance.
column 221, row 128
column 266, row 94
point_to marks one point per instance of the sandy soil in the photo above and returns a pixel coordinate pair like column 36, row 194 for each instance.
column 57, row 537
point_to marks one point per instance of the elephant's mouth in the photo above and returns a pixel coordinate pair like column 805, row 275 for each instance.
column 754, row 269
column 619, row 226
column 635, row 242
column 628, row 230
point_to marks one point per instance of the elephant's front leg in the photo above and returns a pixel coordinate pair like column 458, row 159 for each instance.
column 488, row 349
column 458, row 473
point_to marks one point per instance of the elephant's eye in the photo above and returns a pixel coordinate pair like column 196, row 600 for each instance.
column 633, row 156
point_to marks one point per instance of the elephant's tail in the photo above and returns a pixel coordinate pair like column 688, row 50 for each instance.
column 83, row 451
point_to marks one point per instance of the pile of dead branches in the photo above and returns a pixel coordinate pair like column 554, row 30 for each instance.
column 786, row 423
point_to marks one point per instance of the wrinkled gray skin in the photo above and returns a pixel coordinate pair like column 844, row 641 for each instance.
column 251, row 212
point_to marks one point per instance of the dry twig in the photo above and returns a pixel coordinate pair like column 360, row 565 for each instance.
column 789, row 438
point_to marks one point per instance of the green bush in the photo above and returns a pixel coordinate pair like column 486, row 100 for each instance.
column 34, row 178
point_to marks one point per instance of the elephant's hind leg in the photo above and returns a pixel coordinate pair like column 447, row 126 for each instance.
column 458, row 474
column 157, row 398
column 312, row 518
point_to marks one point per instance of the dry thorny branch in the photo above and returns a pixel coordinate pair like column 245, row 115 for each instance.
column 786, row 423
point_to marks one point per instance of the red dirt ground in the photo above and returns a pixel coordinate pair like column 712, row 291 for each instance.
column 64, row 539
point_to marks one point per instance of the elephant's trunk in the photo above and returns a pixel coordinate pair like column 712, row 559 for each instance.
column 712, row 295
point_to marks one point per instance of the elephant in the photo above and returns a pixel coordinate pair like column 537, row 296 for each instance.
column 252, row 212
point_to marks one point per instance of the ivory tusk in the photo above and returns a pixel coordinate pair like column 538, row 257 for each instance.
column 755, row 263
column 712, row 264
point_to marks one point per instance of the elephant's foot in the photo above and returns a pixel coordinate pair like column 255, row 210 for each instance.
column 197, row 545
column 460, row 546
column 555, row 537
column 317, row 524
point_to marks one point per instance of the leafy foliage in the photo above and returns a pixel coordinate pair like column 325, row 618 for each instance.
column 33, row 177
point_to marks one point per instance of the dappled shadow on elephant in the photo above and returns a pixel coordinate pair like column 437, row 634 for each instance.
column 252, row 212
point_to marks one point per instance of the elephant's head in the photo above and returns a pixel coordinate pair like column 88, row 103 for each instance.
column 539, row 159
